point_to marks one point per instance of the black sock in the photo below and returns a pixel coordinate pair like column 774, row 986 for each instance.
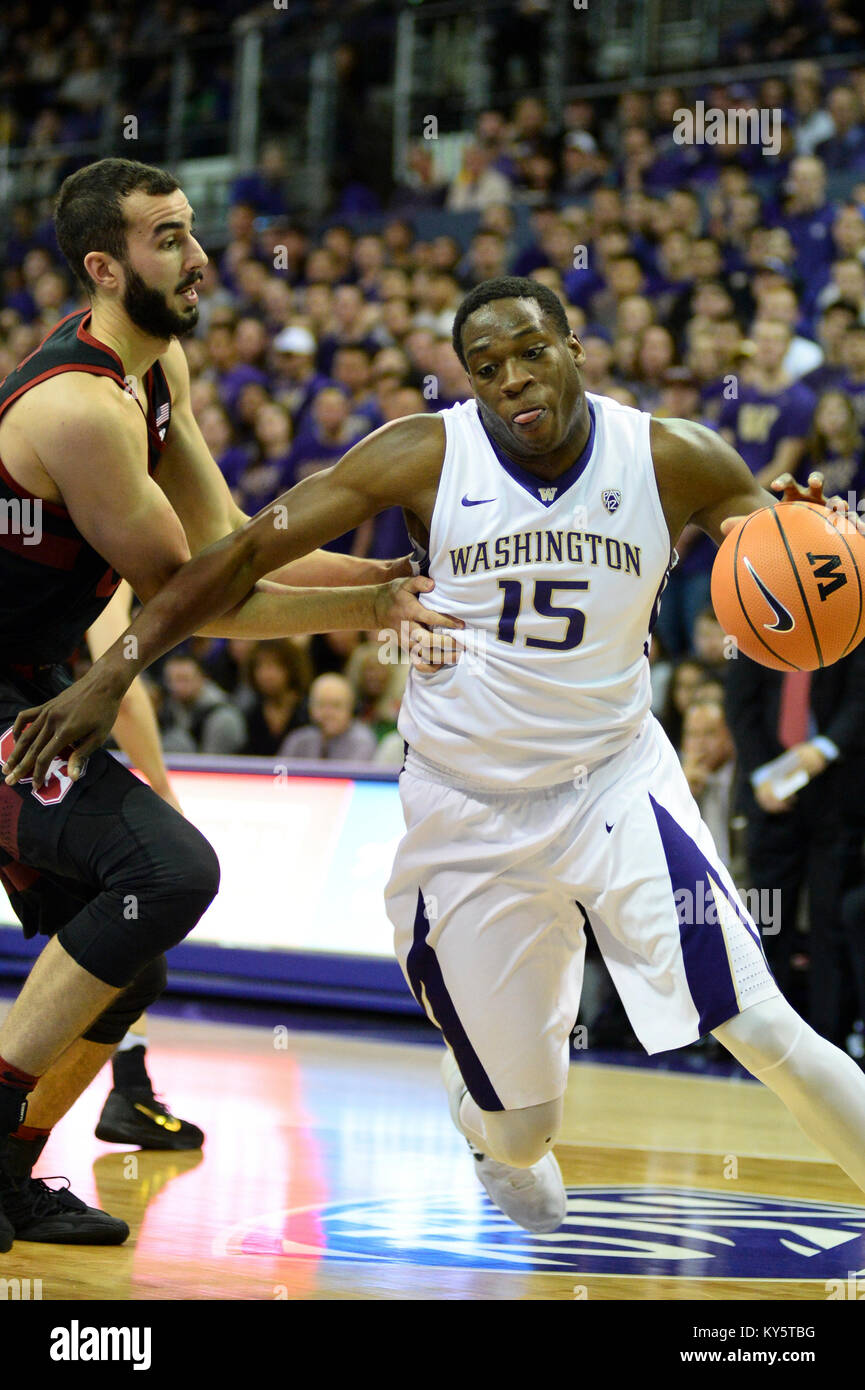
column 15, row 1086
column 130, row 1073
column 22, row 1150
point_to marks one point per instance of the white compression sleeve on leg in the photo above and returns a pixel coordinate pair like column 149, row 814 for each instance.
column 820, row 1085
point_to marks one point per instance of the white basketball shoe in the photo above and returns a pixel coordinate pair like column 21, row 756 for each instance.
column 533, row 1198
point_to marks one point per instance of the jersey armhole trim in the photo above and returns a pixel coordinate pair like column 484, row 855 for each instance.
column 653, row 486
column 446, row 462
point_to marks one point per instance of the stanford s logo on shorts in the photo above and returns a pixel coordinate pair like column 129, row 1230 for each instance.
column 56, row 784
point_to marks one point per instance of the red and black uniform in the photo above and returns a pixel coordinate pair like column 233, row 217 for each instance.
column 53, row 588
column 103, row 861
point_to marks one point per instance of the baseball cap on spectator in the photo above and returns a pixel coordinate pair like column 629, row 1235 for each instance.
column 295, row 338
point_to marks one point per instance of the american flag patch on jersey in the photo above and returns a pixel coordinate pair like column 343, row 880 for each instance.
column 162, row 417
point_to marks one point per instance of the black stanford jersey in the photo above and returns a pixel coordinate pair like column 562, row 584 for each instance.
column 53, row 584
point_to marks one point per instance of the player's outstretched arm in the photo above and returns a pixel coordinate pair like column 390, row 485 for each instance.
column 399, row 465
column 191, row 480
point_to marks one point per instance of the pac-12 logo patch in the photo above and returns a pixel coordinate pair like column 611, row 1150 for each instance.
column 611, row 498
column 686, row 1233
column 57, row 780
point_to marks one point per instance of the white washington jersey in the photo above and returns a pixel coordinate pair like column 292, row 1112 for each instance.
column 558, row 585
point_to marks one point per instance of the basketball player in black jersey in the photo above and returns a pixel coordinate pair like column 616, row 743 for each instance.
column 103, row 473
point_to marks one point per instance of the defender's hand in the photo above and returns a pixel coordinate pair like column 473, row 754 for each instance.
column 419, row 628
column 77, row 721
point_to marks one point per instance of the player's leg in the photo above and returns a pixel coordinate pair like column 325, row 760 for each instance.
column 151, row 874
column 818, row 1083
column 682, row 971
column 39, row 1213
column 495, row 958
column 680, row 946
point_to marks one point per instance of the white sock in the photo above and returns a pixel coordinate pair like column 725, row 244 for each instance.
column 132, row 1040
column 820, row 1085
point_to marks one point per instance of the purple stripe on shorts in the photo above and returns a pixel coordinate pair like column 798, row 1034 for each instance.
column 425, row 976
column 704, row 953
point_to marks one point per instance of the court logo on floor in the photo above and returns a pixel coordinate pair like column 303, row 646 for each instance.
column 680, row 1232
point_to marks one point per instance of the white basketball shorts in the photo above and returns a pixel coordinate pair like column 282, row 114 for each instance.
column 488, row 898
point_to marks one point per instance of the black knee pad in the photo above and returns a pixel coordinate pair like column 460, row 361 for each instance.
column 113, row 1025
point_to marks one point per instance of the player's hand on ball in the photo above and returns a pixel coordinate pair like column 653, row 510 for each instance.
column 791, row 491
column 419, row 628
column 76, row 722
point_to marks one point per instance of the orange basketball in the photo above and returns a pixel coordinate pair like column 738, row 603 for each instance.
column 789, row 584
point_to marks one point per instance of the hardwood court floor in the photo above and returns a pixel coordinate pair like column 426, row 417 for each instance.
column 331, row 1171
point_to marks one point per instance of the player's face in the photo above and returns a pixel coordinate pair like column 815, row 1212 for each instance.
column 163, row 264
column 525, row 377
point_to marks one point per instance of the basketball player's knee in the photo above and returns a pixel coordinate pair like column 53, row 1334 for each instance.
column 522, row 1137
column 113, row 1025
column 176, row 892
column 188, row 870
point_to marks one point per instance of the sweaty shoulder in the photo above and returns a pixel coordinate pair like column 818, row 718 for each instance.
column 699, row 475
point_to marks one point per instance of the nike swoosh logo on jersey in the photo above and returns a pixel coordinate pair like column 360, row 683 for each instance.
column 609, row 827
column 477, row 501
column 784, row 621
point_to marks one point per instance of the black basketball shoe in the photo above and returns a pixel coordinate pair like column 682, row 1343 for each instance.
column 41, row 1213
column 133, row 1114
column 136, row 1116
column 37, row 1212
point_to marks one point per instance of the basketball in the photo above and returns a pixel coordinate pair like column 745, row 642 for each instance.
column 787, row 584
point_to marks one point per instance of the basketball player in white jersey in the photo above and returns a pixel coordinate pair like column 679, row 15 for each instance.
column 539, row 792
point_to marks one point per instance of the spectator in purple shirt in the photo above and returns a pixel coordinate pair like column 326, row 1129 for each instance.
column 264, row 189
column 218, row 431
column 352, row 370
column 328, row 434
column 832, row 325
column 296, row 381
column 853, row 381
column 844, row 149
column 769, row 420
column 333, row 732
column 351, row 317
column 808, row 216
column 269, row 471
column 835, row 448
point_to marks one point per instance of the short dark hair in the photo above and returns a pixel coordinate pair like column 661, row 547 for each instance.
column 88, row 214
column 509, row 287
